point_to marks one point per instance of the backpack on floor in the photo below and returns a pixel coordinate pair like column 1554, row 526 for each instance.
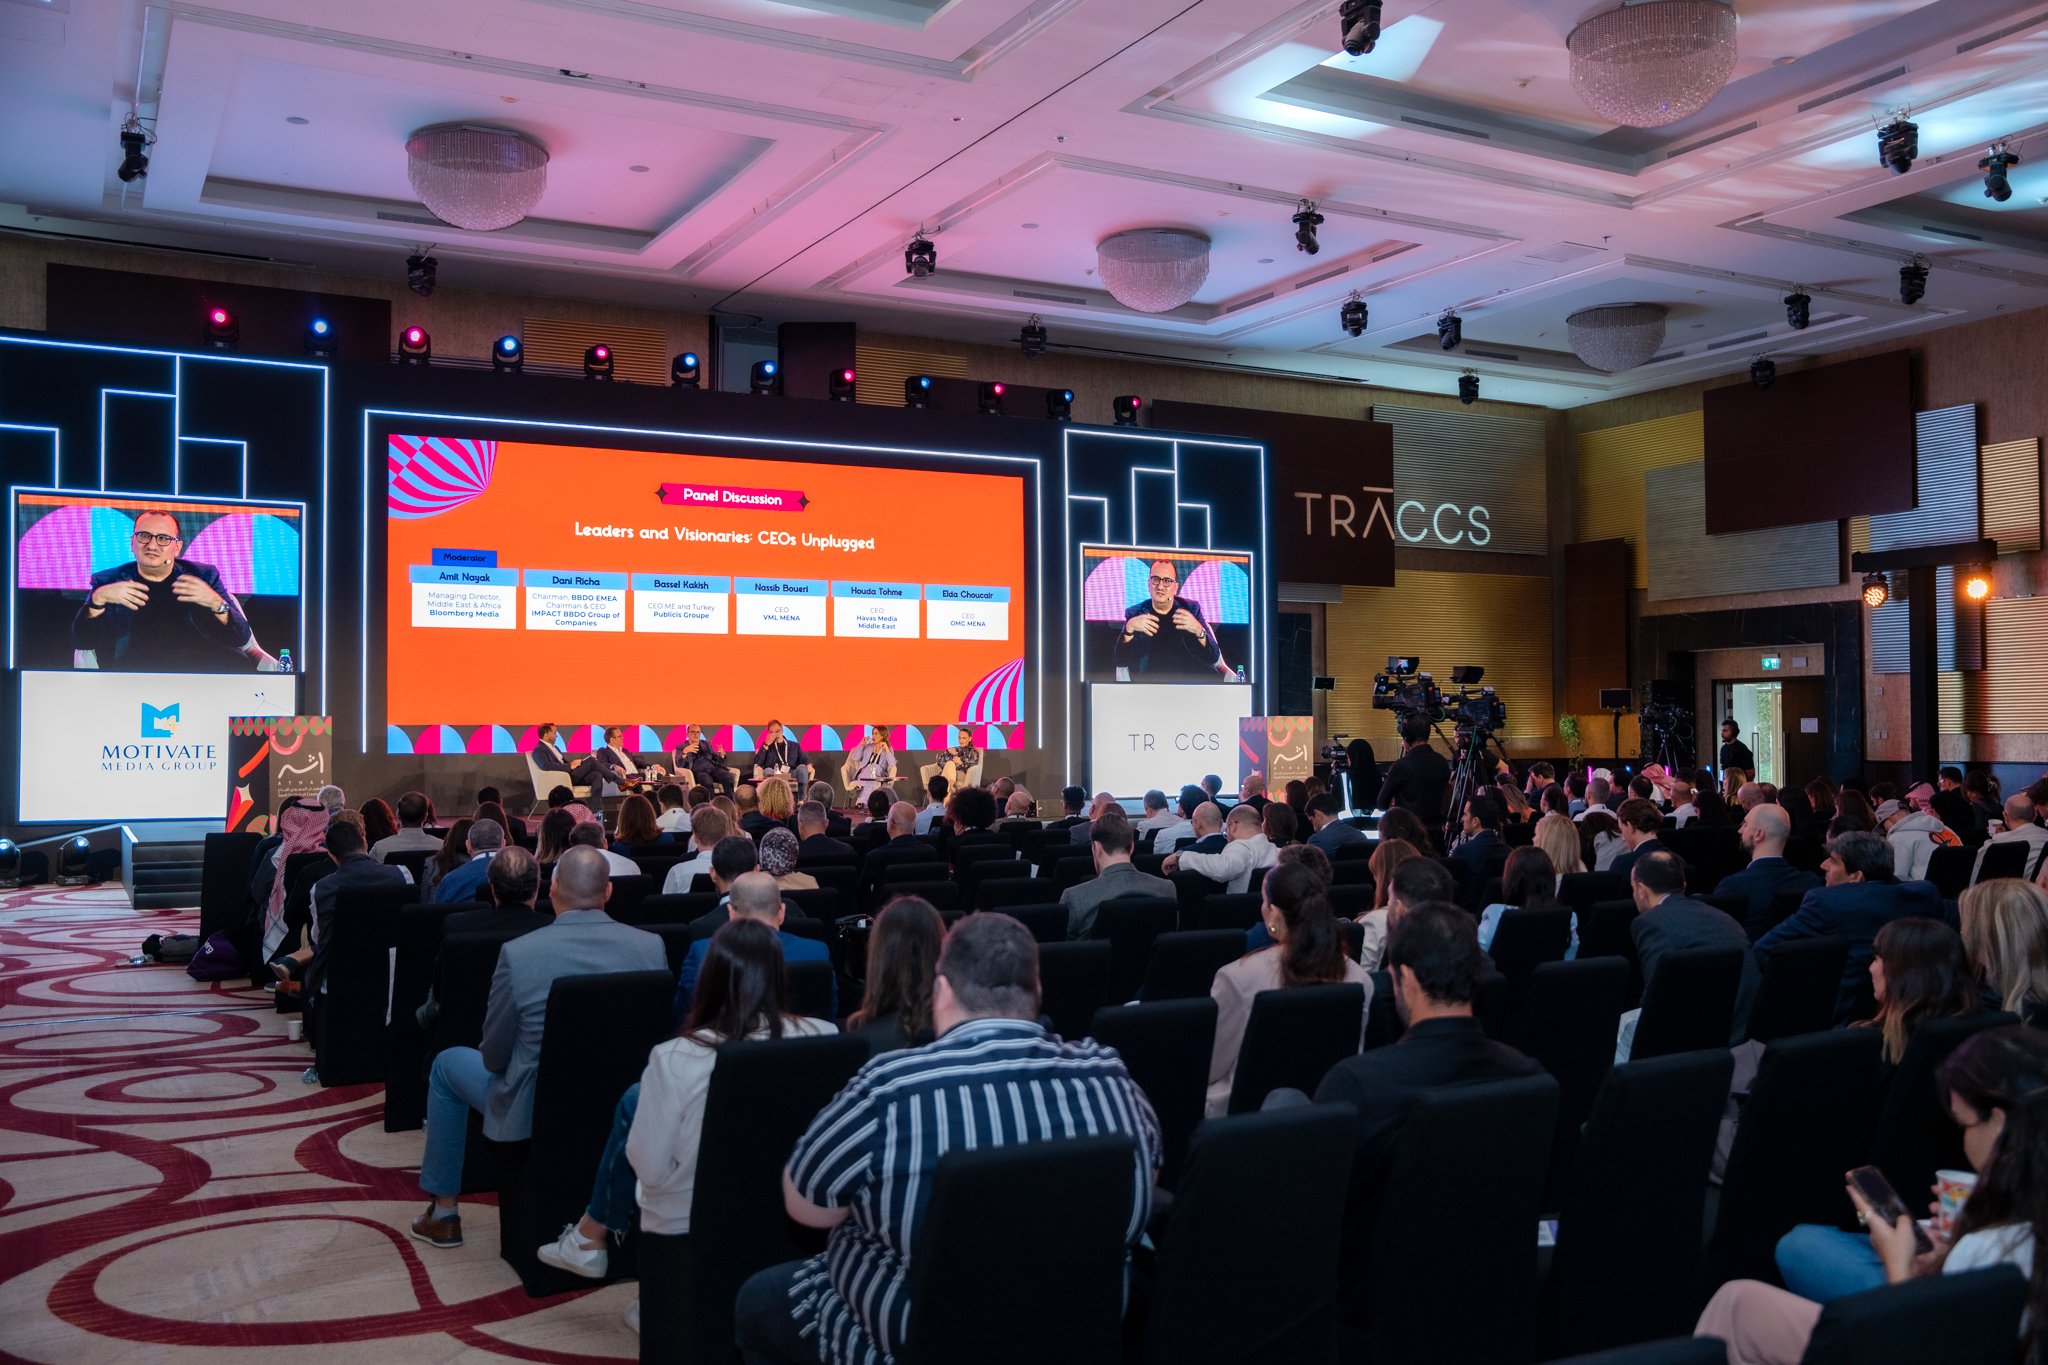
column 170, row 947
column 217, row 959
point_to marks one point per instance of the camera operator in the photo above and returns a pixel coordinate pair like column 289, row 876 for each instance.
column 1417, row 779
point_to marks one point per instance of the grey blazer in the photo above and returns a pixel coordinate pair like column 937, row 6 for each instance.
column 1118, row 879
column 578, row 943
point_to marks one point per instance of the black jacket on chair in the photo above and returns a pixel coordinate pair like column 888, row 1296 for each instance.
column 1760, row 883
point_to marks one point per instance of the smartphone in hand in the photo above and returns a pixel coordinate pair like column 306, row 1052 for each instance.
column 1885, row 1203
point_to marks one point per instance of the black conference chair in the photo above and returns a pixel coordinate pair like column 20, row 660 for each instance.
column 2003, row 860
column 1237, row 910
column 1523, row 940
column 405, row 1045
column 349, row 985
column 1570, row 1015
column 224, row 880
column 1184, row 963
column 1132, row 924
column 1581, row 890
column 810, row 990
column 599, row 1031
column 1047, row 923
column 1073, row 982
column 1005, row 892
column 1628, row 1258
column 1690, row 1003
column 463, row 986
column 1806, row 1121
column 1607, row 929
column 1799, row 988
column 1293, row 1038
column 1949, row 869
column 679, row 909
column 763, row 1095
column 1914, row 1136
column 1065, row 1211
column 1246, row 1268
column 1072, row 871
column 943, row 895
column 1349, row 901
column 984, row 872
column 1166, row 1046
column 1971, row 1318
column 629, row 898
column 1459, row 1210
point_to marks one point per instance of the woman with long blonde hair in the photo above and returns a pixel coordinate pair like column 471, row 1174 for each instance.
column 2005, row 933
column 1559, row 837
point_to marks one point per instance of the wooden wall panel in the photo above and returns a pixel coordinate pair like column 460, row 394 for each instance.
column 1612, row 463
column 1946, row 459
column 639, row 354
column 1684, row 561
column 1595, row 591
column 2010, row 474
column 881, row 371
column 1472, row 459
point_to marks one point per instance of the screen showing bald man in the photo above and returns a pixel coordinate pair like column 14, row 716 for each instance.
column 1180, row 617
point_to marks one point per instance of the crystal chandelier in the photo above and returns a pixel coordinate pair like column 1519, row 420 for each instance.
column 477, row 178
column 1153, row 270
column 1616, row 336
column 1649, row 64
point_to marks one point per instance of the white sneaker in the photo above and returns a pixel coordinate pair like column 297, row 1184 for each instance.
column 633, row 1316
column 567, row 1252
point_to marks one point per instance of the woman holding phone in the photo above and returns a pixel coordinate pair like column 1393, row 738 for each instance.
column 1997, row 1088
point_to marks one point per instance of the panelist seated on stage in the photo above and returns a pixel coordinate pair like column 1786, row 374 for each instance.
column 958, row 763
column 870, row 767
column 781, row 756
column 547, row 756
column 619, row 766
column 705, row 765
column 1165, row 636
column 164, row 614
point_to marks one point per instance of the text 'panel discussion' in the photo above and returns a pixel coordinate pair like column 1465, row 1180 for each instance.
column 990, row 682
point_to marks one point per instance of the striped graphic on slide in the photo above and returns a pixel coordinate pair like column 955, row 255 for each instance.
column 431, row 474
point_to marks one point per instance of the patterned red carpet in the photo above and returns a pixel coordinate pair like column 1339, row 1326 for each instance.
column 171, row 1191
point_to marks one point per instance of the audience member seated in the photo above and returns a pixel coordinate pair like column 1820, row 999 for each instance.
column 2021, row 824
column 1331, row 833
column 1019, row 811
column 1853, row 811
column 752, row 822
column 1213, row 786
column 2005, row 934
column 1278, row 823
column 555, row 828
column 1712, row 807
column 590, row 834
column 1558, row 837
column 1103, row 803
column 1205, row 830
column 873, row 830
column 412, row 836
column 497, row 1079
column 354, row 870
column 1996, row 1085
column 466, row 882
column 1915, row 832
column 1598, row 797
column 1601, row 843
column 707, row 767
column 302, row 828
column 813, row 821
column 513, row 884
column 970, row 811
column 1918, row 973
column 1248, row 852
column 903, row 847
column 1110, row 844
column 1404, row 825
column 1952, row 805
column 379, row 823
column 1479, row 843
column 1528, row 882
column 777, row 802
column 935, row 803
column 1765, row 831
column 1859, row 898
column 1252, row 791
column 637, row 827
column 1073, row 804
column 887, row 1130
column 1434, row 965
column 453, row 853
column 753, row 895
column 1984, row 805
column 648, row 1172
column 1181, row 829
column 1669, row 921
column 1311, row 860
column 778, row 860
column 734, row 857
column 1387, row 860
column 707, row 828
column 1640, row 822
column 1307, row 950
column 903, row 953
column 1158, row 813
column 675, row 811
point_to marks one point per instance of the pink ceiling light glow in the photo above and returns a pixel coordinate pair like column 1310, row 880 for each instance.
column 1649, row 64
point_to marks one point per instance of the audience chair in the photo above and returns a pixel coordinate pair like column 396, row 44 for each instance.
column 595, row 1042
column 1354, row 938
column 350, row 994
column 1047, row 922
column 1349, row 901
column 418, row 943
column 762, row 1097
column 413, row 860
column 943, row 894
column 1949, row 869
column 1784, row 905
column 462, row 987
column 1459, row 1212
column 1690, row 1004
column 1914, row 1136
column 1526, row 939
column 2002, row 860
column 1237, row 910
column 1350, row 872
column 682, row 909
column 629, row 898
column 841, row 878
column 224, row 881
column 1799, row 988
column 675, row 941
column 1607, row 929
column 1073, row 869
column 1806, row 1121
column 1051, row 1286
column 811, row 859
column 810, row 990
column 1193, row 890
column 1246, row 1267
column 1972, row 1318
column 983, row 872
column 1132, row 924
column 1293, row 1037
column 1166, row 1046
column 820, row 905
column 1628, row 1258
column 1005, row 892
column 1570, row 1014
column 907, row 870
column 1073, row 981
column 1580, row 890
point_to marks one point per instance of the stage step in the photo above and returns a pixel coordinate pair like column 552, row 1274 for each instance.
column 164, row 875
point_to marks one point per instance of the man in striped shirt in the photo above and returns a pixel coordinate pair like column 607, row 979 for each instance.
column 864, row 1169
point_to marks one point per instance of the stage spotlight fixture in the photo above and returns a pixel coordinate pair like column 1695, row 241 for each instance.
column 765, row 377
column 415, row 347
column 1898, row 145
column 1877, row 590
column 10, row 865
column 1468, row 388
column 321, row 339
column 1031, row 338
column 1352, row 316
column 1450, row 330
column 1798, row 311
column 1975, row 582
column 839, row 385
column 134, row 151
column 597, row 361
column 917, row 391
column 1997, row 184
column 1306, row 221
column 1913, row 281
column 508, row 356
column 989, row 398
column 1125, row 406
column 421, row 272
column 1763, row 372
column 1360, row 23
column 920, row 258
column 74, row 862
column 223, row 331
column 686, row 371
column 1059, row 404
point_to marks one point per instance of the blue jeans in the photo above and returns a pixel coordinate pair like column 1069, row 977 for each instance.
column 1824, row 1264
column 458, row 1083
column 614, row 1201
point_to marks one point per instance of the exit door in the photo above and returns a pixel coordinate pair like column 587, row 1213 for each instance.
column 1784, row 722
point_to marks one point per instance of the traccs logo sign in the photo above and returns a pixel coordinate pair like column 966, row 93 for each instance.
column 1342, row 516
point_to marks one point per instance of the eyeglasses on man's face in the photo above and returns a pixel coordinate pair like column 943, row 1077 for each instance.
column 159, row 541
column 1165, row 582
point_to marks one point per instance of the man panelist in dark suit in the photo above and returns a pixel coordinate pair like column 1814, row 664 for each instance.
column 1165, row 636
column 781, row 756
column 548, row 757
column 163, row 613
column 1859, row 899
column 705, row 765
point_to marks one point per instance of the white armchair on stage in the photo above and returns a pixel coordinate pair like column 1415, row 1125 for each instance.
column 878, row 776
column 545, row 782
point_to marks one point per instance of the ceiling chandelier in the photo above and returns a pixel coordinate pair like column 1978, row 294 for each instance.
column 1616, row 336
column 1653, row 63
column 477, row 178
column 1153, row 270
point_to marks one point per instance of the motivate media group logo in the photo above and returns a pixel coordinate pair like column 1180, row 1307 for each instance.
column 160, row 722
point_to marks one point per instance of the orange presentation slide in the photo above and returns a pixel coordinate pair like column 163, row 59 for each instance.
column 532, row 583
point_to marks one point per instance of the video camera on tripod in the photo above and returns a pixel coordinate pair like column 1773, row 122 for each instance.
column 1668, row 733
column 1407, row 691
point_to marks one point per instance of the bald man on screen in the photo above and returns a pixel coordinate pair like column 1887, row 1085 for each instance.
column 1165, row 636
